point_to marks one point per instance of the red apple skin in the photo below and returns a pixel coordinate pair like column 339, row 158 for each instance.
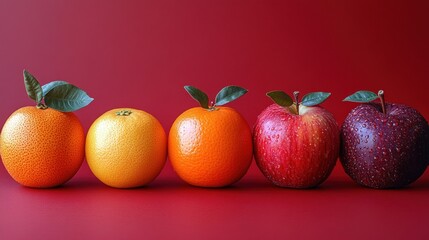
column 384, row 150
column 296, row 151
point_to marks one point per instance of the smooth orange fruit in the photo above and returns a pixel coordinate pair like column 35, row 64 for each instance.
column 126, row 148
column 210, row 147
column 42, row 148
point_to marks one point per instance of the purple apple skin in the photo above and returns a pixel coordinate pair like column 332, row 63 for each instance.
column 296, row 151
column 384, row 150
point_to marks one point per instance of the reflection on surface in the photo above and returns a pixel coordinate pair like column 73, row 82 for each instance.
column 252, row 208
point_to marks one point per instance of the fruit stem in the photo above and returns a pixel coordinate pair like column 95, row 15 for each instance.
column 383, row 104
column 212, row 106
column 295, row 96
column 123, row 113
column 41, row 106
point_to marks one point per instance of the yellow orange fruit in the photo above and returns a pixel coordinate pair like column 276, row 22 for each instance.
column 42, row 148
column 210, row 148
column 126, row 148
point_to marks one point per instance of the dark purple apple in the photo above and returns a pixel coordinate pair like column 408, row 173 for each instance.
column 296, row 145
column 383, row 145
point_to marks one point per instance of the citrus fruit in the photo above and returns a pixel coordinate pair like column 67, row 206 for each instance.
column 126, row 148
column 42, row 148
column 210, row 146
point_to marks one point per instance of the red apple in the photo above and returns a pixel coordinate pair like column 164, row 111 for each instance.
column 296, row 145
column 384, row 145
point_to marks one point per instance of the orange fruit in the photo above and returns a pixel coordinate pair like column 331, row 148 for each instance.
column 126, row 148
column 210, row 147
column 42, row 148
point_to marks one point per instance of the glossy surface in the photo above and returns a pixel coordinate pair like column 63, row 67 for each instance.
column 297, row 151
column 384, row 150
column 251, row 209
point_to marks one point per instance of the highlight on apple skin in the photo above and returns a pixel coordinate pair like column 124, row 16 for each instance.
column 296, row 144
column 383, row 145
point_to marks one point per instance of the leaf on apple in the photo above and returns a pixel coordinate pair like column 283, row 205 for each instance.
column 314, row 98
column 311, row 99
column 281, row 98
column 361, row 97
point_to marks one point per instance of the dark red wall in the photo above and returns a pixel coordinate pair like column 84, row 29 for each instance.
column 141, row 53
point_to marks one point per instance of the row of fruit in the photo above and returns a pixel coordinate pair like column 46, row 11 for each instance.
column 294, row 142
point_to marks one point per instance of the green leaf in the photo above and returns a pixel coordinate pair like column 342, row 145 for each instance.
column 361, row 97
column 229, row 94
column 314, row 98
column 198, row 95
column 281, row 98
column 32, row 86
column 49, row 86
column 67, row 98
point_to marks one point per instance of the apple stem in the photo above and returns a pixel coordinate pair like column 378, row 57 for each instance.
column 295, row 96
column 383, row 104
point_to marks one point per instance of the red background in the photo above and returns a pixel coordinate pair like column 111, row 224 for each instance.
column 141, row 53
